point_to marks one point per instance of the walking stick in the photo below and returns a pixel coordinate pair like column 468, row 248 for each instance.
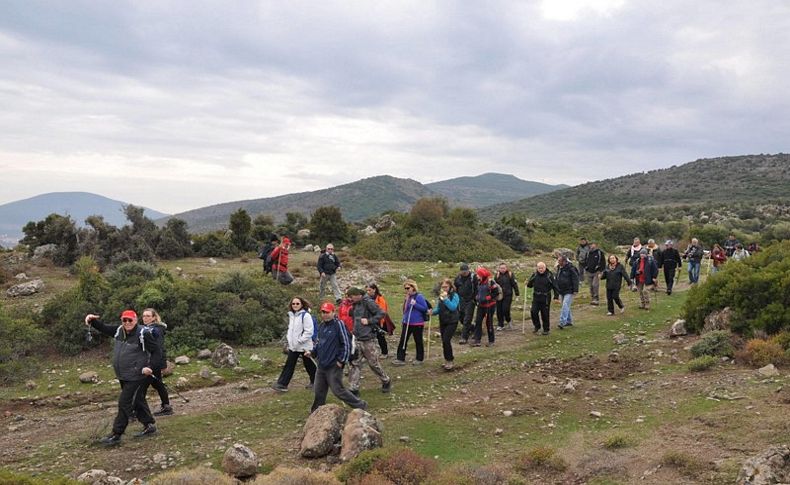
column 408, row 320
column 168, row 389
column 524, row 311
column 429, row 337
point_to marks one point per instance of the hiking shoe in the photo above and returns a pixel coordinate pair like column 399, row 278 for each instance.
column 112, row 440
column 416, row 362
column 500, row 327
column 489, row 344
column 164, row 410
column 398, row 362
column 279, row 387
column 149, row 430
column 354, row 392
column 364, row 406
column 669, row 292
column 622, row 310
column 561, row 326
column 594, row 303
column 448, row 365
column 609, row 314
column 475, row 343
column 385, row 387
column 309, row 386
column 536, row 330
column 545, row 332
column 384, row 356
column 462, row 341
column 569, row 324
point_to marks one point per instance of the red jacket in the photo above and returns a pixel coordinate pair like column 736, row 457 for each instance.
column 280, row 259
column 344, row 313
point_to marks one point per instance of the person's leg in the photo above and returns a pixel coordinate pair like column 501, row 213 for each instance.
column 500, row 313
column 309, row 366
column 334, row 375
column 417, row 331
column 507, row 303
column 125, row 407
column 159, row 385
column 466, row 319
column 288, row 369
column 566, row 318
column 617, row 300
column 355, row 372
column 322, row 286
column 669, row 279
column 370, row 351
column 401, row 352
column 545, row 309
column 381, row 338
column 335, row 287
column 489, row 315
column 595, row 282
column 609, row 300
column 534, row 313
column 141, row 409
column 447, row 336
column 320, row 387
column 479, row 317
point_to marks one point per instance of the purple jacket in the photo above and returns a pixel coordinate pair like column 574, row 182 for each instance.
column 413, row 314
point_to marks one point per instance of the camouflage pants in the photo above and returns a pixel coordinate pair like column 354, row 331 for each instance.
column 644, row 295
column 369, row 349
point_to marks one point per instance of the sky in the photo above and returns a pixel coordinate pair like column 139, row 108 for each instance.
column 176, row 105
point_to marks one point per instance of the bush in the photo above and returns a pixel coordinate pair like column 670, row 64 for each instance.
column 615, row 442
column 541, row 458
column 362, row 464
column 295, row 476
column 405, row 467
column 702, row 363
column 685, row 464
column 470, row 475
column 19, row 339
column 193, row 476
column 717, row 344
column 782, row 339
column 759, row 352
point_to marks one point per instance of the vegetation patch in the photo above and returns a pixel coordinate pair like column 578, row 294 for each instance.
column 541, row 458
column 702, row 363
column 684, row 463
column 717, row 344
column 616, row 441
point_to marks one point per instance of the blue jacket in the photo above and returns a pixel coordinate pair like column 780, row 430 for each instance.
column 333, row 343
column 413, row 314
column 447, row 309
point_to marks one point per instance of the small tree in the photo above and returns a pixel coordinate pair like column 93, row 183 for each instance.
column 240, row 225
column 327, row 225
column 427, row 212
column 55, row 229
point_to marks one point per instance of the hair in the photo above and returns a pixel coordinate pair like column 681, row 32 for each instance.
column 375, row 287
column 411, row 283
column 305, row 303
column 616, row 259
column 448, row 282
column 155, row 313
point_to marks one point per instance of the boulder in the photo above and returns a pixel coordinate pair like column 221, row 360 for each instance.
column 678, row 329
column 182, row 360
column 182, row 382
column 205, row 373
column 21, row 276
column 204, row 354
column 568, row 253
column 89, row 377
column 620, row 339
column 240, row 461
column 316, row 248
column 308, row 248
column 168, row 371
column 30, row 385
column 719, row 320
column 99, row 477
column 322, row 430
column 368, row 231
column 303, row 233
column 361, row 432
column 768, row 371
column 224, row 356
column 772, row 465
column 385, row 222
column 212, row 261
column 25, row 289
column 218, row 381
column 44, row 251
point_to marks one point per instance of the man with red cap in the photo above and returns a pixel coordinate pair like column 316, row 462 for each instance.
column 487, row 293
column 135, row 357
column 332, row 351
column 279, row 258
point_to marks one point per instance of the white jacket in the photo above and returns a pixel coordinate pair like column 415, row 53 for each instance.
column 300, row 331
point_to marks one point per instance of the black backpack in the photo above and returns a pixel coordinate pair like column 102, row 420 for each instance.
column 266, row 256
column 426, row 316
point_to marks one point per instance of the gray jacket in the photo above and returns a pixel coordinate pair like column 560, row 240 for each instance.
column 132, row 351
column 366, row 308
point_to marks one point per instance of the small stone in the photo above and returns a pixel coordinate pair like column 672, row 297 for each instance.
column 30, row 385
column 596, row 414
column 620, row 339
column 507, row 413
column 499, row 431
column 182, row 382
column 255, row 358
column 204, row 354
column 614, row 357
column 212, row 261
column 205, row 373
column 89, row 377
column 404, row 439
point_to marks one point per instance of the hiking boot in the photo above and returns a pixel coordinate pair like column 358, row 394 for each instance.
column 594, row 303
column 536, row 330
column 416, row 362
column 545, row 332
column 462, row 341
column 609, row 314
column 384, row 356
column 164, row 410
column 489, row 344
column 475, row 343
column 354, row 392
column 622, row 310
column 448, row 365
column 669, row 292
column 112, row 440
column 398, row 362
column 385, row 387
column 279, row 387
column 149, row 430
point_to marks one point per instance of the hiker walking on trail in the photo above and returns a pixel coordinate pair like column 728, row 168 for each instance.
column 328, row 264
column 694, row 254
column 279, row 256
column 488, row 292
column 266, row 252
column 543, row 284
column 508, row 285
column 633, row 252
column 740, row 253
column 415, row 308
column 466, row 286
column 614, row 274
column 568, row 287
column 581, row 255
column 596, row 262
column 135, row 357
column 152, row 319
column 366, row 315
column 730, row 245
column 447, row 309
column 669, row 260
column 718, row 256
column 301, row 328
column 644, row 274
column 332, row 351
column 385, row 324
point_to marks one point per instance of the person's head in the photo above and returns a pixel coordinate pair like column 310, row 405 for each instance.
column 716, row 246
column 372, row 290
column 128, row 320
column 651, row 242
column 643, row 253
column 464, row 269
column 151, row 316
column 732, row 237
column 298, row 303
column 327, row 311
column 739, row 246
column 613, row 260
column 541, row 267
column 562, row 260
column 502, row 268
column 355, row 293
column 330, row 248
column 668, row 243
column 593, row 245
column 274, row 239
column 694, row 241
column 637, row 242
column 483, row 273
column 447, row 285
column 410, row 287
column 286, row 242
column 582, row 241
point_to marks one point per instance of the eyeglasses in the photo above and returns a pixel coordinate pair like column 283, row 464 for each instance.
column 408, row 287
column 330, row 249
column 127, row 320
column 296, row 303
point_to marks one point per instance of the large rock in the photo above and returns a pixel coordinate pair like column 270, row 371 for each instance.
column 224, row 356
column 204, row 354
column 322, row 430
column 385, row 222
column 768, row 371
column 361, row 432
column 368, row 231
column 720, row 320
column 568, row 253
column 240, row 461
column 308, row 248
column 771, row 466
column 89, row 377
column 44, row 251
column 99, row 477
column 182, row 360
column 678, row 329
column 25, row 289
column 303, row 233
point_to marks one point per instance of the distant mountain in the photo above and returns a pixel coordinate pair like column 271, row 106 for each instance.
column 747, row 178
column 489, row 188
column 357, row 201
column 78, row 205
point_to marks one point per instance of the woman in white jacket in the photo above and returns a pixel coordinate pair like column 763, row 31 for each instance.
column 300, row 340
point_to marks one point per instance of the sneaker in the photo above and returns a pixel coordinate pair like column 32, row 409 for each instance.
column 149, row 430
column 462, row 341
column 385, row 387
column 609, row 314
column 448, row 365
column 500, row 327
column 416, row 362
column 475, row 343
column 545, row 332
column 364, row 406
column 279, row 387
column 669, row 292
column 112, row 440
column 561, row 326
column 622, row 310
column 384, row 356
column 569, row 324
column 510, row 325
column 594, row 303
column 489, row 344
column 536, row 330
column 398, row 362
column 354, row 392
column 164, row 410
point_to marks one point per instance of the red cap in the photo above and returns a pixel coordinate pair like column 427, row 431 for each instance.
column 128, row 314
column 483, row 273
column 327, row 307
column 286, row 241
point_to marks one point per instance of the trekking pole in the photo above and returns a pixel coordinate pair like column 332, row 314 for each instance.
column 524, row 311
column 167, row 388
column 429, row 337
column 408, row 320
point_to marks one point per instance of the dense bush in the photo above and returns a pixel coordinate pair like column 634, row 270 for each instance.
column 214, row 244
column 509, row 235
column 757, row 290
column 759, row 352
column 702, row 363
column 327, row 225
column 19, row 338
column 717, row 344
column 542, row 458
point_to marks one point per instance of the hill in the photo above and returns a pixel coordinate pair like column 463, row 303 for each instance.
column 357, row 200
column 78, row 205
column 742, row 179
column 489, row 188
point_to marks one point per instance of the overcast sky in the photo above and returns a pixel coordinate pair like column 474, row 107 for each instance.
column 180, row 104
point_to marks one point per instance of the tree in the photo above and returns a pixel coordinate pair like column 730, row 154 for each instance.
column 327, row 226
column 428, row 212
column 240, row 225
column 55, row 229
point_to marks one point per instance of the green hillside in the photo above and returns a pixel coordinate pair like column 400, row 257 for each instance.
column 489, row 188
column 742, row 179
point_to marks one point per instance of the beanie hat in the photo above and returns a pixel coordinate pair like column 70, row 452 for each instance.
column 464, row 267
column 355, row 291
column 483, row 273
column 128, row 314
column 643, row 251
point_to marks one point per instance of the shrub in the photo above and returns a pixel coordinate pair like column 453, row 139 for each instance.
column 702, row 363
column 19, row 339
column 615, row 442
column 7, row 477
column 782, row 339
column 295, row 476
column 760, row 352
column 193, row 476
column 685, row 464
column 716, row 343
column 362, row 464
column 541, row 458
column 405, row 467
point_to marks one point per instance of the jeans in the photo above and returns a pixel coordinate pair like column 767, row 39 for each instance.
column 332, row 279
column 565, row 313
column 694, row 267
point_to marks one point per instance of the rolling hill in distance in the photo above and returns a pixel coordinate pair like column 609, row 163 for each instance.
column 78, row 205
column 489, row 188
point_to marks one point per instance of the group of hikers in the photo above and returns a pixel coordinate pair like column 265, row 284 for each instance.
column 352, row 329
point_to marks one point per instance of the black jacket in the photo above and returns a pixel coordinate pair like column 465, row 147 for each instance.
column 507, row 282
column 669, row 258
column 694, row 253
column 366, row 308
column 466, row 287
column 568, row 279
column 159, row 329
column 614, row 277
column 543, row 285
column 447, row 316
column 328, row 263
column 132, row 351
column 596, row 261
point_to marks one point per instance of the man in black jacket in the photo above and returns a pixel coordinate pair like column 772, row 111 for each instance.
column 366, row 315
column 509, row 286
column 568, row 287
column 135, row 353
column 466, row 286
column 669, row 260
column 328, row 264
column 542, row 283
column 594, row 265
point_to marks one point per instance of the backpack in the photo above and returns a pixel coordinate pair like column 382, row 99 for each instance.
column 266, row 256
column 499, row 295
column 426, row 316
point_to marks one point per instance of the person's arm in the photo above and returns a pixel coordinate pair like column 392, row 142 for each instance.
column 625, row 275
column 375, row 310
column 320, row 265
column 451, row 303
column 531, row 281
column 93, row 321
column 307, row 329
column 152, row 344
column 554, row 286
column 514, row 282
column 345, row 344
column 575, row 281
column 420, row 304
